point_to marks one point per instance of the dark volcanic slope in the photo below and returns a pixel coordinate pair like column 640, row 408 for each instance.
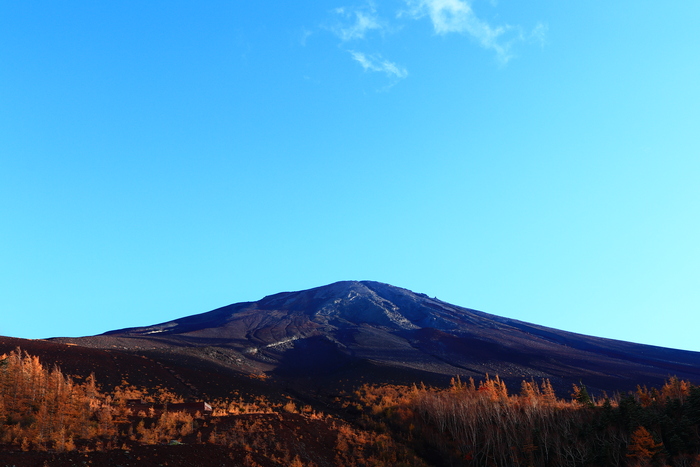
column 331, row 329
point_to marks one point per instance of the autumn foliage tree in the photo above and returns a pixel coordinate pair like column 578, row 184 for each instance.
column 482, row 424
column 43, row 408
column 467, row 423
column 642, row 447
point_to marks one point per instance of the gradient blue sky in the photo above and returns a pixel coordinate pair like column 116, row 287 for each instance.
column 535, row 160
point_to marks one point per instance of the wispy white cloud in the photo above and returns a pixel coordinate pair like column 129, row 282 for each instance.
column 457, row 16
column 360, row 23
column 376, row 62
column 305, row 34
column 352, row 24
column 539, row 33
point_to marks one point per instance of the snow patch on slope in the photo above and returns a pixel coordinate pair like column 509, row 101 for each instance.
column 284, row 343
column 365, row 306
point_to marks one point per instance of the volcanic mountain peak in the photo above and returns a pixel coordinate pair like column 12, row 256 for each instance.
column 350, row 302
column 341, row 304
column 350, row 323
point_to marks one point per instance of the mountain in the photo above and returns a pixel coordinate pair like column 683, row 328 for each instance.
column 284, row 373
column 377, row 332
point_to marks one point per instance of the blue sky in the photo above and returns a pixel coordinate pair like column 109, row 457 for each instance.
column 536, row 161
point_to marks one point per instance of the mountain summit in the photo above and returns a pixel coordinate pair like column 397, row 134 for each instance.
column 328, row 308
column 379, row 329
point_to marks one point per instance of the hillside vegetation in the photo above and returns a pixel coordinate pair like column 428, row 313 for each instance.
column 467, row 424
column 45, row 411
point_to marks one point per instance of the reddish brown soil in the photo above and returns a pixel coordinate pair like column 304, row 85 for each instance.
column 109, row 366
column 141, row 456
column 266, row 440
column 191, row 378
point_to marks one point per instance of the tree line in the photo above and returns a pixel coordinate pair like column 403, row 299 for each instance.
column 42, row 409
column 466, row 423
column 483, row 425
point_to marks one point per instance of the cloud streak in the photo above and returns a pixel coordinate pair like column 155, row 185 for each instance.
column 457, row 16
column 539, row 33
column 376, row 62
column 355, row 24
